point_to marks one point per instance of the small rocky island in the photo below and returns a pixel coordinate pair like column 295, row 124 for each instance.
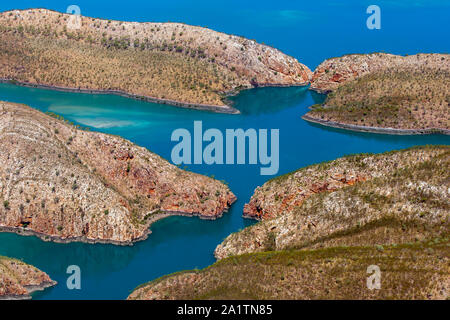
column 65, row 184
column 18, row 279
column 384, row 93
column 171, row 63
column 321, row 228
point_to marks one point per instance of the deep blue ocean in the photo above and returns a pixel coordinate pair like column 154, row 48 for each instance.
column 309, row 31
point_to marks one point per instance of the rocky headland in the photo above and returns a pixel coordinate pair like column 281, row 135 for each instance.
column 384, row 93
column 18, row 279
column 65, row 184
column 324, row 225
column 170, row 63
column 355, row 200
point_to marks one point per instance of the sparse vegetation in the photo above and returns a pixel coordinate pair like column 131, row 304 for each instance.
column 406, row 99
column 397, row 219
column 386, row 205
column 179, row 62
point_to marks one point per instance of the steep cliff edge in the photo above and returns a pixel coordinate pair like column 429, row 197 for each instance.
column 384, row 93
column 400, row 196
column 172, row 62
column 66, row 184
column 18, row 279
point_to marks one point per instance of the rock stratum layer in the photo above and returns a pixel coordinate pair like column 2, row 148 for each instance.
column 172, row 62
column 394, row 197
column 390, row 210
column 66, row 184
column 18, row 280
column 384, row 93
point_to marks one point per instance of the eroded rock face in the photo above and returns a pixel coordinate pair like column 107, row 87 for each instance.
column 18, row 279
column 66, row 184
column 361, row 200
column 332, row 73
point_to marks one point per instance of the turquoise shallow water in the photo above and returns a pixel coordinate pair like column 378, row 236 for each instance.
column 178, row 243
column 311, row 32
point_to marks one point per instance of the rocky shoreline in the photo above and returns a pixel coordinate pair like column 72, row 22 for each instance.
column 154, row 218
column 379, row 130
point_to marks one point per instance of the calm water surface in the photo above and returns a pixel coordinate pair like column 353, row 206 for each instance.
column 309, row 32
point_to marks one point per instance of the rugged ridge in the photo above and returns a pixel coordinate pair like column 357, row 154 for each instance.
column 18, row 279
column 66, row 184
column 171, row 62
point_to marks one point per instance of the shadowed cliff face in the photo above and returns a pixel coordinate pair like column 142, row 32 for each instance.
column 18, row 279
column 65, row 184
column 169, row 61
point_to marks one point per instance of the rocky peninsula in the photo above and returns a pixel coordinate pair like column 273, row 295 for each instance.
column 171, row 63
column 65, row 184
column 384, row 93
column 320, row 222
column 361, row 199
column 18, row 279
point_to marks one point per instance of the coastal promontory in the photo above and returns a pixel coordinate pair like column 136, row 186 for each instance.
column 18, row 279
column 64, row 184
column 364, row 199
column 171, row 63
